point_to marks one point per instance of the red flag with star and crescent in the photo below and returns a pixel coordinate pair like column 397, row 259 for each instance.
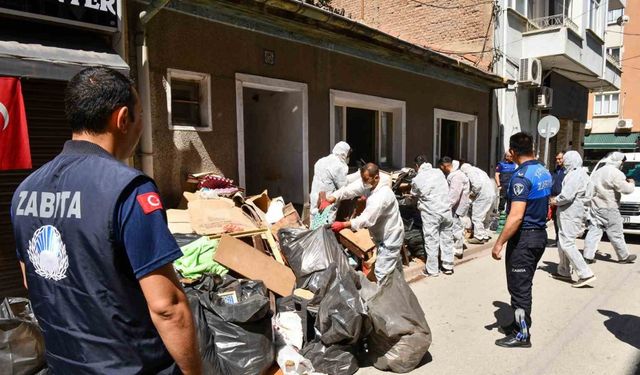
column 14, row 138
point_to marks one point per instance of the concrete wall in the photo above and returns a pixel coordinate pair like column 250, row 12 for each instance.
column 195, row 44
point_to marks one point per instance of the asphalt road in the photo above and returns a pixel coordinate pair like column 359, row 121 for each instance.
column 575, row 331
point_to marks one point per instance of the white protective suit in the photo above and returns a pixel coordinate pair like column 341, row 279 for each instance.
column 459, row 189
column 432, row 190
column 571, row 214
column 604, row 215
column 484, row 190
column 382, row 217
column 329, row 175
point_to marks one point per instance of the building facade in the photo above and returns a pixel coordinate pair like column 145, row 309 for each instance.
column 551, row 52
column 614, row 116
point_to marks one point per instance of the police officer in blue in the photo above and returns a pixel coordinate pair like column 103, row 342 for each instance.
column 504, row 171
column 94, row 246
column 525, row 235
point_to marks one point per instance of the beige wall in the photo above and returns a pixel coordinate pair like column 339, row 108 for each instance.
column 183, row 42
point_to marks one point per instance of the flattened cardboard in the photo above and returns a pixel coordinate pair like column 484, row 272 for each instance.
column 253, row 264
column 291, row 219
column 215, row 216
column 179, row 221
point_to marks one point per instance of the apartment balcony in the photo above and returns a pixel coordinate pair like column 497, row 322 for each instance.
column 565, row 48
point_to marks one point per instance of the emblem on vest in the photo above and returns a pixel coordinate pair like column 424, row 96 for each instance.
column 518, row 189
column 48, row 253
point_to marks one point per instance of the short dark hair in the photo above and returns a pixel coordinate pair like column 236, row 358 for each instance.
column 370, row 168
column 93, row 94
column 521, row 143
column 445, row 160
column 420, row 159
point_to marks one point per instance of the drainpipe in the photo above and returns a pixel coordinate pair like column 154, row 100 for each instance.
column 146, row 140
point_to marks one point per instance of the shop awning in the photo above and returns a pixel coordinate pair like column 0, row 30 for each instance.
column 611, row 141
column 53, row 62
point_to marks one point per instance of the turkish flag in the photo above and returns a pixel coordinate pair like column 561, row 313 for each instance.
column 14, row 138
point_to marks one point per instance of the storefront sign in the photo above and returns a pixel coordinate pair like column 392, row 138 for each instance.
column 95, row 14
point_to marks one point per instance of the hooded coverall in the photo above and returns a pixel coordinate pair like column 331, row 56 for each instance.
column 485, row 192
column 608, row 184
column 329, row 175
column 571, row 214
column 459, row 189
column 431, row 188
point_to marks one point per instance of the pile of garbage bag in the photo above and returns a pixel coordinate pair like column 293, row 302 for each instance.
column 21, row 341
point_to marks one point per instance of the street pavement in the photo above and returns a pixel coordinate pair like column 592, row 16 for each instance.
column 575, row 331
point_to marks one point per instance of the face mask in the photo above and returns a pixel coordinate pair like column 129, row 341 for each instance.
column 368, row 186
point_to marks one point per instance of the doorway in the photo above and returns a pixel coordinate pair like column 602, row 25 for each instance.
column 455, row 136
column 272, row 137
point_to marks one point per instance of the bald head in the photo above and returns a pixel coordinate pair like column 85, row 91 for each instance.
column 370, row 174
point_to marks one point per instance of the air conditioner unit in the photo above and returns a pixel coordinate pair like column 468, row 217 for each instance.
column 588, row 125
column 625, row 124
column 544, row 97
column 530, row 72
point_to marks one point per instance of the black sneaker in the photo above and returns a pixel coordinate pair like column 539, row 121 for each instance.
column 447, row 272
column 589, row 261
column 514, row 341
column 630, row 259
column 511, row 329
column 475, row 241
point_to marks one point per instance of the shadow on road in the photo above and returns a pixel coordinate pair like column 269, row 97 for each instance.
column 549, row 267
column 503, row 314
column 625, row 328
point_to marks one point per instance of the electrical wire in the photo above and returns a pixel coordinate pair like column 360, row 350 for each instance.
column 450, row 7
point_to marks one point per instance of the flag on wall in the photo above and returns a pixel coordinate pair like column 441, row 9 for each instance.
column 14, row 138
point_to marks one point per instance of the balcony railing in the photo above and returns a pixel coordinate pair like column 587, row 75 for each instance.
column 551, row 22
column 614, row 60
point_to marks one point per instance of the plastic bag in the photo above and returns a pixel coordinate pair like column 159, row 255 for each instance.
column 401, row 336
column 238, row 317
column 21, row 342
column 332, row 360
column 203, row 334
column 309, row 251
column 288, row 329
column 292, row 363
column 341, row 315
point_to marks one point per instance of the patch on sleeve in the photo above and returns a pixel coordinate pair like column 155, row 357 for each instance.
column 518, row 189
column 149, row 202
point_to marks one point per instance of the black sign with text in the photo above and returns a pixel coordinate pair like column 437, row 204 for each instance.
column 99, row 14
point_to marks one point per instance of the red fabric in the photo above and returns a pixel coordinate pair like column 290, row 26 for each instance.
column 14, row 138
column 149, row 202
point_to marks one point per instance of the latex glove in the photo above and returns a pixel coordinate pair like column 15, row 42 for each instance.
column 363, row 198
column 338, row 226
column 323, row 205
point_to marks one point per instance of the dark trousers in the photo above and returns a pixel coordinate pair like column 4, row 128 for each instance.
column 502, row 203
column 524, row 251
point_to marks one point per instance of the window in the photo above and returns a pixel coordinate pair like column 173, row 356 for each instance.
column 614, row 52
column 606, row 104
column 613, row 15
column 519, row 5
column 595, row 23
column 188, row 100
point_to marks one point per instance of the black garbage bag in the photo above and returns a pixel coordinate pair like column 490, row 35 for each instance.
column 238, row 318
column 319, row 284
column 203, row 333
column 22, row 349
column 309, row 251
column 342, row 318
column 332, row 360
column 401, row 336
column 414, row 239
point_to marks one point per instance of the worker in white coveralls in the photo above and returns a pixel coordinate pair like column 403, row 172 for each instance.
column 571, row 203
column 432, row 190
column 608, row 184
column 483, row 191
column 329, row 175
column 381, row 216
column 459, row 189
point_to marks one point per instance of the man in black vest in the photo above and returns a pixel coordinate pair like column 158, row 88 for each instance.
column 95, row 249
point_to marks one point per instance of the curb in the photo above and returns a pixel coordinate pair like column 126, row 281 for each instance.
column 413, row 272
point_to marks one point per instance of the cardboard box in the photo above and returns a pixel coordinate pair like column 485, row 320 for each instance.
column 262, row 201
column 254, row 264
column 215, row 216
column 291, row 219
column 359, row 242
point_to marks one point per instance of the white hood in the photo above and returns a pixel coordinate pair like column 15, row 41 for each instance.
column 341, row 150
column 572, row 160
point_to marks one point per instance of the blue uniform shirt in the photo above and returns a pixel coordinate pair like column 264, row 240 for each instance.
column 531, row 183
column 87, row 228
column 506, row 169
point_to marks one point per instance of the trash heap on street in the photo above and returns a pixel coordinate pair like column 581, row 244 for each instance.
column 271, row 296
